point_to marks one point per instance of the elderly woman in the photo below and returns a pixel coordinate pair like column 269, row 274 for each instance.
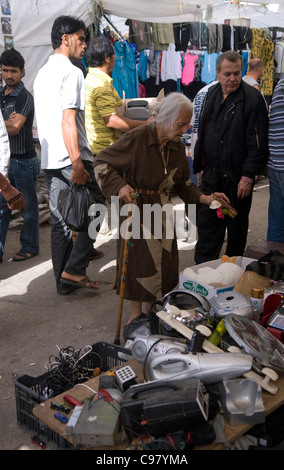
column 149, row 161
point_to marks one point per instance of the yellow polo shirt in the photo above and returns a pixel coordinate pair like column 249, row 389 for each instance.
column 101, row 100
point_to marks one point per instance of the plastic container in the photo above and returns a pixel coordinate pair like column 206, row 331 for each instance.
column 217, row 334
column 257, row 300
column 31, row 391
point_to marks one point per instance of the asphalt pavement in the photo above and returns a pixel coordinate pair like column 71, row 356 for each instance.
column 35, row 322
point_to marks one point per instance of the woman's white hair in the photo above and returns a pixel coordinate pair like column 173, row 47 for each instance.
column 170, row 108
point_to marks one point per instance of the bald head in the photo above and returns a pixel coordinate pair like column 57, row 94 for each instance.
column 255, row 64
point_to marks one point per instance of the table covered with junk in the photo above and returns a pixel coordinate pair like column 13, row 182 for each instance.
column 116, row 438
column 199, row 373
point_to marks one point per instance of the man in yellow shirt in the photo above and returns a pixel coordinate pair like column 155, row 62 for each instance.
column 102, row 100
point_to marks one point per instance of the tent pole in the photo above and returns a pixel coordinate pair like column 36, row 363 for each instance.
column 112, row 25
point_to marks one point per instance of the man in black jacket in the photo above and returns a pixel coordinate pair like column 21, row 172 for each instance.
column 232, row 148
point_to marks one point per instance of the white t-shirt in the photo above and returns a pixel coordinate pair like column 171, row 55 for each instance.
column 251, row 81
column 59, row 85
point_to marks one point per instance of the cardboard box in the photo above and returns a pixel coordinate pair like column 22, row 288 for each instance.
column 187, row 284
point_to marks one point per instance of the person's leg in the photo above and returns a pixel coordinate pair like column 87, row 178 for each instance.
column 211, row 234
column 135, row 310
column 5, row 216
column 238, row 226
column 61, row 236
column 137, row 320
column 210, row 228
column 24, row 174
column 275, row 231
column 78, row 261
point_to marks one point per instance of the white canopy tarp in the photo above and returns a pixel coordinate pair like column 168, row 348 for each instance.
column 31, row 20
column 31, row 23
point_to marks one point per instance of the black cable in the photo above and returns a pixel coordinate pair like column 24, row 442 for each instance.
column 69, row 368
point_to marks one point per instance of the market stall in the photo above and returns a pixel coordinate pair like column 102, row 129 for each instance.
column 26, row 25
column 188, row 353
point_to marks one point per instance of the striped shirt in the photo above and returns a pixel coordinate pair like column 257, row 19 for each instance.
column 101, row 101
column 276, row 128
column 4, row 148
column 21, row 101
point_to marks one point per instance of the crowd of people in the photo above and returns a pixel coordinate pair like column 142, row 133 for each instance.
column 77, row 122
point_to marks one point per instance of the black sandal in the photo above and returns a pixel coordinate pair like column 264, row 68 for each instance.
column 23, row 255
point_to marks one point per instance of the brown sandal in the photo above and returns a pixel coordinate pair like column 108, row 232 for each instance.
column 84, row 283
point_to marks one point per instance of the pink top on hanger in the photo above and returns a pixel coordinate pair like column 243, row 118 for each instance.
column 188, row 69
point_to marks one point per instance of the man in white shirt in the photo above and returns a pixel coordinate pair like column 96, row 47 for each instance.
column 65, row 153
column 253, row 75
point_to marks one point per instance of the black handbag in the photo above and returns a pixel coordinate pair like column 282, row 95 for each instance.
column 73, row 204
column 270, row 265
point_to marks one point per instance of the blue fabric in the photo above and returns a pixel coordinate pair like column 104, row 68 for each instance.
column 208, row 73
column 142, row 66
column 23, row 175
column 275, row 231
column 245, row 56
column 125, row 75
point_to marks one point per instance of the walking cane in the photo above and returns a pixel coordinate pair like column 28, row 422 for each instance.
column 123, row 274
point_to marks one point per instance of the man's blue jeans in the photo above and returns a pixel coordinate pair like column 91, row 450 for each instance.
column 23, row 174
column 275, row 232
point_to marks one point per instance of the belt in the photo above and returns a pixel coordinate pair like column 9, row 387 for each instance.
column 150, row 191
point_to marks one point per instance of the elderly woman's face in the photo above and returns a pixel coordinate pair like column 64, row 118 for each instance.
column 180, row 126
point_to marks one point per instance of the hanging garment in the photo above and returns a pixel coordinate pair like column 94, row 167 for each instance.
column 226, row 37
column 212, row 38
column 198, row 67
column 279, row 58
column 208, row 73
column 203, row 35
column 139, row 34
column 189, row 68
column 171, row 64
column 263, row 47
column 192, row 89
column 219, row 44
column 125, row 75
column 163, row 36
column 245, row 56
column 242, row 37
column 152, row 62
column 142, row 67
column 194, row 34
column 182, row 36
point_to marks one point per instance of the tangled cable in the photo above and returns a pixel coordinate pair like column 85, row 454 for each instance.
column 69, row 368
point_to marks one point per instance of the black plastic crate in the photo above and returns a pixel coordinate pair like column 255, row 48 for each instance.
column 31, row 391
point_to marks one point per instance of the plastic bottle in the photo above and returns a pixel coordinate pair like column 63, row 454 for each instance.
column 220, row 329
column 257, row 300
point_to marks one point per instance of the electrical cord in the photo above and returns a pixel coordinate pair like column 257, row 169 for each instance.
column 69, row 368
